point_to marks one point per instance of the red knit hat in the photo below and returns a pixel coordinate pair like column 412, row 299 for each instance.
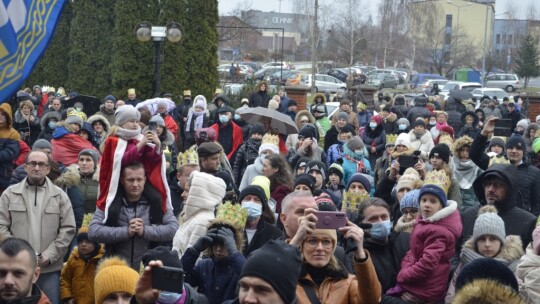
column 448, row 129
column 377, row 119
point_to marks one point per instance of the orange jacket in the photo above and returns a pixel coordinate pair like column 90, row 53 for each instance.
column 77, row 278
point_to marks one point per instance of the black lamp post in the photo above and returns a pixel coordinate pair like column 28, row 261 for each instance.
column 146, row 31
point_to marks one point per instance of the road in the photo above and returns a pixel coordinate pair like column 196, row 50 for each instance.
column 534, row 82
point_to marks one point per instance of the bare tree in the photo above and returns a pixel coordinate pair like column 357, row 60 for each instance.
column 531, row 11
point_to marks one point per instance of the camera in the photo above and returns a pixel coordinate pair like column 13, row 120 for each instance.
column 331, row 219
column 168, row 279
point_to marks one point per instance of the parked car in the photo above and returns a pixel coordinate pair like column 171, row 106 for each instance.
column 508, row 82
column 274, row 78
column 419, row 79
column 322, row 82
column 254, row 65
column 275, row 65
column 245, row 71
column 382, row 81
column 428, row 84
column 264, row 73
column 500, row 93
column 458, row 85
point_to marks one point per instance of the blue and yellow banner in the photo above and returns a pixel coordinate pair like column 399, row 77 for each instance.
column 26, row 27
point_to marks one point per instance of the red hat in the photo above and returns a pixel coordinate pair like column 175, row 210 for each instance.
column 377, row 119
column 448, row 129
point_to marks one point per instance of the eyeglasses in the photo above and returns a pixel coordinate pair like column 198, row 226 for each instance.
column 304, row 121
column 411, row 212
column 313, row 243
column 494, row 183
column 34, row 164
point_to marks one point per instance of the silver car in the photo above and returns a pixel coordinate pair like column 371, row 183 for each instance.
column 324, row 82
column 508, row 82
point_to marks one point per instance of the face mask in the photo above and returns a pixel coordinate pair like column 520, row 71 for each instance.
column 432, row 123
column 402, row 127
column 359, row 152
column 224, row 118
column 381, row 230
column 372, row 125
column 52, row 124
column 167, row 297
column 236, row 116
column 254, row 210
column 78, row 109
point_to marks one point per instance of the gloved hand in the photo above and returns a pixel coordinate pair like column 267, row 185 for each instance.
column 204, row 241
column 226, row 236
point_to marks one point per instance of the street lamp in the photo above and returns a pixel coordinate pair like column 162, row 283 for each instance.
column 145, row 32
column 459, row 7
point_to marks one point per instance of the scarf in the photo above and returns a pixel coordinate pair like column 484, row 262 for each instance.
column 128, row 134
column 465, row 172
column 198, row 120
column 419, row 134
column 440, row 126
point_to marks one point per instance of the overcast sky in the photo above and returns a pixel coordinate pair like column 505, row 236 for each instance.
column 226, row 6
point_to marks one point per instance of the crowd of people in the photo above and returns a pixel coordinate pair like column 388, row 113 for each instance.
column 436, row 208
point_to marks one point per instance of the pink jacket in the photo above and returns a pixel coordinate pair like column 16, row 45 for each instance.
column 426, row 266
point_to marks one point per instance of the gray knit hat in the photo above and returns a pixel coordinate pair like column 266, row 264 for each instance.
column 74, row 119
column 126, row 113
column 92, row 153
column 158, row 119
column 41, row 144
column 489, row 222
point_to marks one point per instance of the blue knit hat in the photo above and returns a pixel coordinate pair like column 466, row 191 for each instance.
column 362, row 179
column 410, row 200
column 435, row 190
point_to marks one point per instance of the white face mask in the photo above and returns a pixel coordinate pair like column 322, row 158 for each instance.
column 254, row 209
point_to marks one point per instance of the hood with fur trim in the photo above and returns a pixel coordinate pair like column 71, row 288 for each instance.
column 401, row 226
column 446, row 217
column 237, row 231
column 487, row 291
column 460, row 143
column 512, row 249
column 44, row 122
column 392, row 117
column 100, row 118
column 260, row 84
column 226, row 101
column 319, row 95
column 6, row 109
column 70, row 177
column 299, row 116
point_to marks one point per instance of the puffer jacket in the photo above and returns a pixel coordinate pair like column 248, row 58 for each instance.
column 510, row 254
column 374, row 138
column 46, row 132
column 116, row 238
column 425, row 269
column 69, row 182
column 516, row 220
column 77, row 278
column 334, row 153
column 364, row 117
column 419, row 110
column 245, row 156
column 528, row 271
column 424, row 144
column 205, row 194
column 9, row 147
column 24, row 127
column 251, row 171
column 108, row 115
column 340, row 287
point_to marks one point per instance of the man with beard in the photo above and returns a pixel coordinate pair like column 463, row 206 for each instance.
column 20, row 271
column 41, row 213
column 497, row 186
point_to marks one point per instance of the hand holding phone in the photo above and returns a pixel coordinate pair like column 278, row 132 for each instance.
column 331, row 219
column 168, row 279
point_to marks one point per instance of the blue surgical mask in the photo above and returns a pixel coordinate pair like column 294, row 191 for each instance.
column 254, row 209
column 402, row 127
column 236, row 116
column 78, row 109
column 380, row 231
column 373, row 125
column 224, row 118
column 52, row 124
column 166, row 297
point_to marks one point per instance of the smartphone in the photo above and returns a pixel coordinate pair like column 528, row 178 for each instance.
column 331, row 219
column 152, row 126
column 168, row 279
column 407, row 161
column 503, row 127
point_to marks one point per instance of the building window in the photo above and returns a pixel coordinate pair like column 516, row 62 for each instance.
column 498, row 39
column 510, row 41
column 504, row 39
column 448, row 20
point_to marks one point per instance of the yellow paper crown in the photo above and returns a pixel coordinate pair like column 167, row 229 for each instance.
column 187, row 92
column 234, row 214
column 218, row 91
column 391, row 139
column 74, row 112
column 189, row 157
column 352, row 202
column 270, row 139
column 52, row 89
column 498, row 160
column 438, row 178
column 446, row 139
column 61, row 91
column 131, row 91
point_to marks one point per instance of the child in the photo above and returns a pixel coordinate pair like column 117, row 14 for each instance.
column 465, row 172
column 528, row 270
column 77, row 278
column 489, row 240
column 425, row 269
column 335, row 177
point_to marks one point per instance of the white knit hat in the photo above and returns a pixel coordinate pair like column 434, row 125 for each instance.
column 489, row 222
column 404, row 139
column 409, row 179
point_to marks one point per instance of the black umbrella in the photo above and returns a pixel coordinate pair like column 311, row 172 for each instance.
column 90, row 104
column 461, row 95
column 278, row 121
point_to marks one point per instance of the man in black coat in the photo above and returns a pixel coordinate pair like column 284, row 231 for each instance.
column 260, row 97
column 512, row 115
column 419, row 109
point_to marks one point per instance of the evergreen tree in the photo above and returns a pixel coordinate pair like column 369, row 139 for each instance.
column 132, row 60
column 528, row 60
column 90, row 53
column 51, row 69
column 199, row 58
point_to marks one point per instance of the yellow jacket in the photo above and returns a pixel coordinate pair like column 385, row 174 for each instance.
column 77, row 278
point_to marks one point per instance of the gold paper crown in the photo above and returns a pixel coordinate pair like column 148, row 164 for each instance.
column 61, row 91
column 187, row 92
column 352, row 202
column 438, row 178
column 498, row 160
column 446, row 139
column 189, row 157
column 270, row 139
column 218, row 91
column 234, row 214
column 391, row 139
column 131, row 91
column 52, row 89
column 74, row 112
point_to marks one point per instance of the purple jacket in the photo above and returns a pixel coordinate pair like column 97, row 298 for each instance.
column 425, row 268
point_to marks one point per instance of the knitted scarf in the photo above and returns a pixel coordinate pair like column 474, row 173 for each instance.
column 465, row 172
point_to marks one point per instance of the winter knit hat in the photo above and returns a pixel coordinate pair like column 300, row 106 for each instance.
column 317, row 166
column 305, row 179
column 200, row 101
column 409, row 179
column 254, row 190
column 419, row 122
column 404, row 139
column 489, row 269
column 114, row 275
column 355, row 143
column 496, row 141
column 442, row 151
column 92, row 153
column 516, row 141
column 158, row 120
column 343, row 116
column 74, row 119
column 41, row 144
column 524, row 123
column 377, row 119
column 362, row 179
column 308, row 131
column 489, row 222
column 268, row 262
column 256, row 128
column 83, row 236
column 403, row 121
column 164, row 254
column 263, row 182
column 126, row 113
column 325, row 203
column 410, row 200
column 337, row 169
column 273, row 104
column 434, row 190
